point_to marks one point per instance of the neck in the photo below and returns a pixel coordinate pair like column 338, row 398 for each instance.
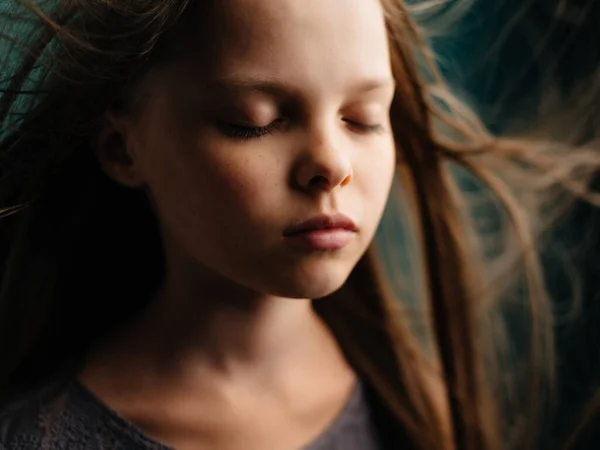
column 230, row 329
column 200, row 322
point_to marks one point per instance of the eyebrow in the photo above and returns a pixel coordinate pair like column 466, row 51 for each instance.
column 271, row 86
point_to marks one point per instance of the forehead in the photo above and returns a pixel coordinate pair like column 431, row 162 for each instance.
column 306, row 41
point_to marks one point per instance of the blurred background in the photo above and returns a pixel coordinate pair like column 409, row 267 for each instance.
column 529, row 64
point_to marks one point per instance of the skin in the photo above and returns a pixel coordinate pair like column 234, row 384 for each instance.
column 230, row 354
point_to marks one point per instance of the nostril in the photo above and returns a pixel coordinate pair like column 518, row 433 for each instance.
column 319, row 181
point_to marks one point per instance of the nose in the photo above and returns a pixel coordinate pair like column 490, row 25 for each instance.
column 324, row 165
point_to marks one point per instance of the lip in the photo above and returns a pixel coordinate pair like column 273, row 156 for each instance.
column 322, row 222
column 322, row 233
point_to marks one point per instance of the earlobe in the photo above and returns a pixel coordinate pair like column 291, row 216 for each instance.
column 114, row 147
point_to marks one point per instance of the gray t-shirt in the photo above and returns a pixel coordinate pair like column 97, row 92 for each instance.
column 79, row 421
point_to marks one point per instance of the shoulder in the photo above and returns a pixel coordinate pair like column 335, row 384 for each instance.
column 41, row 418
column 66, row 417
column 22, row 422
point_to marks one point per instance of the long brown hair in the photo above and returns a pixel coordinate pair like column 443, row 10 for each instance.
column 69, row 235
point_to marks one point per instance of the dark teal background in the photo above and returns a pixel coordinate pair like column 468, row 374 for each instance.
column 505, row 80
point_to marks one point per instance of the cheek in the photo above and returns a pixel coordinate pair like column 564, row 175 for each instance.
column 207, row 192
column 248, row 188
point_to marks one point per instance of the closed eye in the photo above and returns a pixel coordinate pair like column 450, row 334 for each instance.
column 245, row 132
column 365, row 128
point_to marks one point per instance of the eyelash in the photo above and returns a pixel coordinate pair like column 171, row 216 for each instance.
column 363, row 128
column 247, row 133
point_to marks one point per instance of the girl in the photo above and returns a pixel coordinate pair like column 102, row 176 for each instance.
column 191, row 190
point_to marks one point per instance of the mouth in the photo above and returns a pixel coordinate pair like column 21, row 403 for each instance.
column 323, row 232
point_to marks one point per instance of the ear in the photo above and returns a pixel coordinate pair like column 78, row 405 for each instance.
column 115, row 149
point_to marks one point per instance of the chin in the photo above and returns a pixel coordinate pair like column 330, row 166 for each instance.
column 311, row 284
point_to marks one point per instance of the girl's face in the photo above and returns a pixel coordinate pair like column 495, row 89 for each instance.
column 277, row 112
